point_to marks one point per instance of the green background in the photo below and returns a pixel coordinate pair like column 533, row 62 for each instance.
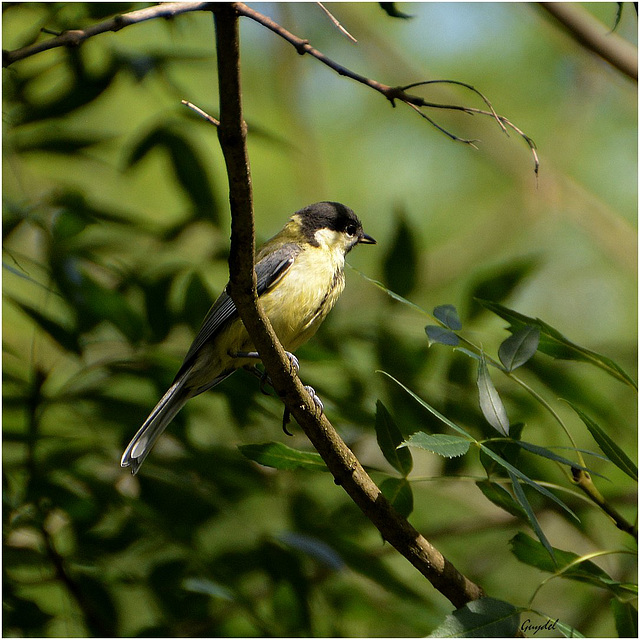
column 116, row 229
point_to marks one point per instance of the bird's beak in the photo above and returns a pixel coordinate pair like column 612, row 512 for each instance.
column 366, row 239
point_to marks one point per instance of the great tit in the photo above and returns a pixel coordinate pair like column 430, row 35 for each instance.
column 300, row 275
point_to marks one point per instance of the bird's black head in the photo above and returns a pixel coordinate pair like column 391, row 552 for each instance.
column 333, row 216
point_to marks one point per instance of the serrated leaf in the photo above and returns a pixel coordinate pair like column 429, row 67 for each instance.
column 516, row 472
column 448, row 315
column 389, row 438
column 497, row 494
column 521, row 497
column 490, row 402
column 443, row 444
column 398, row 492
column 440, row 335
column 553, row 343
column 483, row 618
column 626, row 618
column 279, row 456
column 519, row 347
column 567, row 564
column 608, row 445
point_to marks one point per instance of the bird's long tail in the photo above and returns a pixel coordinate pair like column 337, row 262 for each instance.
column 163, row 413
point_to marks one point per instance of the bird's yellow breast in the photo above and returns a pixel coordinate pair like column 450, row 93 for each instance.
column 299, row 303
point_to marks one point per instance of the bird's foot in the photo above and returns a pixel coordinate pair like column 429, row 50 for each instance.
column 265, row 380
column 286, row 418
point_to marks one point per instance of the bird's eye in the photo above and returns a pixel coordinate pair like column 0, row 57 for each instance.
column 351, row 230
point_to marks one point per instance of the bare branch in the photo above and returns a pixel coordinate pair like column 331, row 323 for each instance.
column 593, row 35
column 336, row 23
column 171, row 9
column 391, row 93
column 461, row 84
column 75, row 37
column 453, row 136
column 201, row 113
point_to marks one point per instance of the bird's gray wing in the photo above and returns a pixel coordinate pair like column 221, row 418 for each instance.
column 268, row 271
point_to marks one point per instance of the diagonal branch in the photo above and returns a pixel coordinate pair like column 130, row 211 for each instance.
column 593, row 35
column 75, row 37
column 344, row 466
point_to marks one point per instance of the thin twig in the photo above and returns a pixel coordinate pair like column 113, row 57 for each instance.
column 75, row 37
column 336, row 23
column 453, row 136
column 467, row 86
column 201, row 113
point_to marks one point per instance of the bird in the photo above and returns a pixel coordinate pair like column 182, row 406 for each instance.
column 300, row 276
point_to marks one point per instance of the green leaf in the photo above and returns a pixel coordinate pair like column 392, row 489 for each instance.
column 279, row 456
column 567, row 564
column 208, row 587
column 66, row 336
column 443, row 444
column 429, row 408
column 448, row 315
column 84, row 87
column 608, row 445
column 626, row 618
column 483, row 618
column 546, row 453
column 566, row 629
column 197, row 300
column 440, row 335
column 188, row 167
column 314, row 548
column 102, row 303
column 391, row 10
column 554, row 344
column 516, row 472
column 398, row 492
column 519, row 347
column 521, row 497
column 490, row 402
column 497, row 494
column 389, row 438
column 400, row 265
column 499, row 282
column 101, row 615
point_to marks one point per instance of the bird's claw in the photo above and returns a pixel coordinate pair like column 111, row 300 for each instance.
column 286, row 417
column 316, row 399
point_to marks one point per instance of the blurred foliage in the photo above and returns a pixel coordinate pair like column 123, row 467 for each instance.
column 115, row 239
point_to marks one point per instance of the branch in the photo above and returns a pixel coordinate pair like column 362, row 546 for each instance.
column 170, row 9
column 593, row 35
column 344, row 466
column 390, row 93
column 75, row 37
